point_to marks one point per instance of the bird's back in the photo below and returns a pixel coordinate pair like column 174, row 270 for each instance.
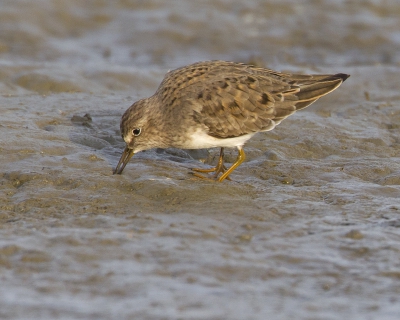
column 239, row 99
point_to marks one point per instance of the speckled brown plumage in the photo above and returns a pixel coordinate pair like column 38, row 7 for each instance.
column 218, row 104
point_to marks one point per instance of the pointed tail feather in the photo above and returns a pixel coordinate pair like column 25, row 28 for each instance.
column 312, row 91
column 343, row 76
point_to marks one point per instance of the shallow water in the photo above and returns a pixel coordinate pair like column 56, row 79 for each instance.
column 309, row 228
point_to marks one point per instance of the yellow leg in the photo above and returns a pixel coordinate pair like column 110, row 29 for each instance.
column 217, row 169
column 241, row 157
column 220, row 168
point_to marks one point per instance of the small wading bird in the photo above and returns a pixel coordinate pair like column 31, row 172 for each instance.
column 217, row 104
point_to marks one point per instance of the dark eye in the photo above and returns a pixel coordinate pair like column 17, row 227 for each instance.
column 136, row 131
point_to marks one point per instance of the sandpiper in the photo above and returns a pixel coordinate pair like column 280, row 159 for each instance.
column 218, row 104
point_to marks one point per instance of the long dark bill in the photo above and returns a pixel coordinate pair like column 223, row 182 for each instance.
column 126, row 156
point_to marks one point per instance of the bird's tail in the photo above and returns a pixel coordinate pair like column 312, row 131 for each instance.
column 316, row 87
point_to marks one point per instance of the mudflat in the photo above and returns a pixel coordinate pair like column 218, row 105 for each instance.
column 308, row 227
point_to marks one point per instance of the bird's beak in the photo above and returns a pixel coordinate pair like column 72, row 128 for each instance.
column 126, row 156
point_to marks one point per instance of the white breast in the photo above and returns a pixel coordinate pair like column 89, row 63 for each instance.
column 200, row 140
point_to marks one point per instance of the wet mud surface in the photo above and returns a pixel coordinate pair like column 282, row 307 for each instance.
column 309, row 226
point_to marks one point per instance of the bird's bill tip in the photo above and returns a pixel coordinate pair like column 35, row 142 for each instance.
column 123, row 161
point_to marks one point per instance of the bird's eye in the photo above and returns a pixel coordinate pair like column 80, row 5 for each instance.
column 136, row 131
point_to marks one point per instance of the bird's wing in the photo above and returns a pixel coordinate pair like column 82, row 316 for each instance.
column 238, row 104
column 238, row 99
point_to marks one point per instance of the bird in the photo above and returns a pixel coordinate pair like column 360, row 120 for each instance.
column 218, row 104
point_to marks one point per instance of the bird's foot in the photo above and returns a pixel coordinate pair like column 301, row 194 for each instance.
column 220, row 168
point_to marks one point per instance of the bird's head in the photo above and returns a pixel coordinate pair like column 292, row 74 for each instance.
column 135, row 132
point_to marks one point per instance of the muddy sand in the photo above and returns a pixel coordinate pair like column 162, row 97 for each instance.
column 309, row 226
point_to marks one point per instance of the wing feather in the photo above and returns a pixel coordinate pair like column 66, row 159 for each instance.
column 238, row 99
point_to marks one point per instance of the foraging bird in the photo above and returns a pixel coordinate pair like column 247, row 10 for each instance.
column 217, row 104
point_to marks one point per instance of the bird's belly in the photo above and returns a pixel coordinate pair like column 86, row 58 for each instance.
column 200, row 140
